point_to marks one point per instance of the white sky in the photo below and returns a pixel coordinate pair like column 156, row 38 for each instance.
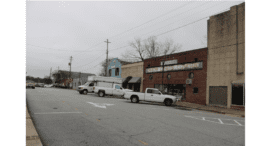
column 56, row 30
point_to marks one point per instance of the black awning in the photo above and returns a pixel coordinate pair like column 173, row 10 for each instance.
column 135, row 80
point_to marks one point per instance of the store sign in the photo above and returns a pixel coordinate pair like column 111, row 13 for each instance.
column 170, row 62
column 188, row 66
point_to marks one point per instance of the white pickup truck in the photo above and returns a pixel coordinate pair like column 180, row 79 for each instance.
column 151, row 94
column 115, row 89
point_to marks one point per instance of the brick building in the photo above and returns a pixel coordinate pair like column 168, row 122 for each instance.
column 135, row 72
column 226, row 58
column 184, row 74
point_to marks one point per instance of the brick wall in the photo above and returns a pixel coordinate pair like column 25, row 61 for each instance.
column 179, row 77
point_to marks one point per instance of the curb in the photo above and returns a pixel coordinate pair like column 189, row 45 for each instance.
column 32, row 137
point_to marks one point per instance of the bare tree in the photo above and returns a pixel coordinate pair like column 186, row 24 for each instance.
column 168, row 47
column 152, row 47
column 149, row 48
column 138, row 51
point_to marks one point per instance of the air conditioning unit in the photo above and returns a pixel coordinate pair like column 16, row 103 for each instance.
column 188, row 81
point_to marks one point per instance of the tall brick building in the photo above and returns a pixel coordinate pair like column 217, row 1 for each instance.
column 184, row 74
column 226, row 58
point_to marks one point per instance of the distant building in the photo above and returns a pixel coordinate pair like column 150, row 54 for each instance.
column 73, row 80
column 114, row 67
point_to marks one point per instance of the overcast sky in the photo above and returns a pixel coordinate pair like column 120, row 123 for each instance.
column 57, row 30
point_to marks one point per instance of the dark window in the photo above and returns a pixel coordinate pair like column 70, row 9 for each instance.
column 196, row 59
column 110, row 72
column 150, row 77
column 195, row 90
column 191, row 75
column 156, row 92
column 149, row 91
column 117, row 72
column 91, row 84
column 148, row 65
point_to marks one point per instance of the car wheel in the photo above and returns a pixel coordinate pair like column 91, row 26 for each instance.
column 168, row 102
column 85, row 92
column 134, row 99
column 101, row 94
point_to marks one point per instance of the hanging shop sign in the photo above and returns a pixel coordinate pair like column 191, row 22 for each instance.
column 170, row 62
column 187, row 66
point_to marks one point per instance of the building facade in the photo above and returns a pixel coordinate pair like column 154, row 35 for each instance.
column 135, row 72
column 114, row 67
column 226, row 58
column 183, row 74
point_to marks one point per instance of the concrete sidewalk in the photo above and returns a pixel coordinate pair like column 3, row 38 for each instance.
column 220, row 110
column 32, row 138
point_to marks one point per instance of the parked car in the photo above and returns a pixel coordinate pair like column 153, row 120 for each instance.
column 116, row 89
column 151, row 95
column 48, row 86
column 30, row 84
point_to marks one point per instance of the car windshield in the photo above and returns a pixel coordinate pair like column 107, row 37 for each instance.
column 87, row 83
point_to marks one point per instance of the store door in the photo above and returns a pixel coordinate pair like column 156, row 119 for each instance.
column 218, row 95
column 238, row 94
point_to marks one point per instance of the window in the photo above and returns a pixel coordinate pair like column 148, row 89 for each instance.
column 117, row 87
column 91, row 84
column 156, row 92
column 150, row 77
column 169, row 76
column 148, row 65
column 110, row 72
column 195, row 90
column 196, row 59
column 117, row 72
column 149, row 91
column 191, row 75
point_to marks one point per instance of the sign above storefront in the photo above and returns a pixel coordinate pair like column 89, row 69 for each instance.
column 170, row 62
column 187, row 66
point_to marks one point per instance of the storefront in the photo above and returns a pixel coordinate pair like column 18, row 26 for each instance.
column 181, row 74
column 133, row 76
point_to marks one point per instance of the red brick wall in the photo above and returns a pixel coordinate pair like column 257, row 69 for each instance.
column 179, row 77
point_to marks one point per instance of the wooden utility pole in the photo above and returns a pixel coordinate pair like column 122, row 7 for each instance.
column 50, row 74
column 70, row 65
column 107, row 57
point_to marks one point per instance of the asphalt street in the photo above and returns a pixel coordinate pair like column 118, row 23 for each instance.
column 64, row 117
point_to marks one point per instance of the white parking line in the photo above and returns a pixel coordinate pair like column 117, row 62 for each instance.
column 58, row 113
column 238, row 123
column 220, row 121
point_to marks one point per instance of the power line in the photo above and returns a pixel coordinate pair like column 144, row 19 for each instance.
column 151, row 20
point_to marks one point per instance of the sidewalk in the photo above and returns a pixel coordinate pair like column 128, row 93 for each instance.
column 229, row 112
column 32, row 138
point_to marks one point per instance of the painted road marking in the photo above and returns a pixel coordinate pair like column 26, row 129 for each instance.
column 218, row 120
column 144, row 143
column 58, row 113
column 76, row 109
column 63, row 101
column 98, row 120
column 86, row 114
column 100, row 105
column 238, row 123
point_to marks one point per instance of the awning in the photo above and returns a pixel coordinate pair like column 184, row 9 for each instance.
column 123, row 80
column 135, row 80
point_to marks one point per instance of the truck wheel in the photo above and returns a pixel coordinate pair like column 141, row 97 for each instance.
column 134, row 99
column 101, row 94
column 168, row 102
column 85, row 92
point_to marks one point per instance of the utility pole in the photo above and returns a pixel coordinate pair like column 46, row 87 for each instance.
column 50, row 74
column 70, row 65
column 107, row 57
